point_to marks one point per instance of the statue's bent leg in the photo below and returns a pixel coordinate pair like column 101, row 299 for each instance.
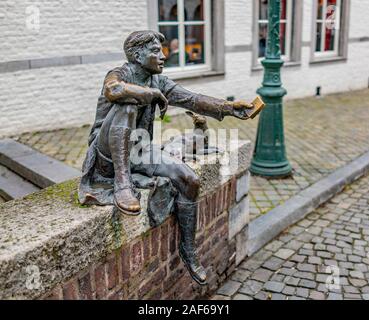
column 188, row 186
column 114, row 141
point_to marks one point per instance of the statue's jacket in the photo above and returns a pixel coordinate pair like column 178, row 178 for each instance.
column 162, row 191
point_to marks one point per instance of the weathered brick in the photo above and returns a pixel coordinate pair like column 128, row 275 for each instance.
column 136, row 259
column 112, row 271
column 85, row 288
column 146, row 247
column 56, row 294
column 70, row 290
column 125, row 263
column 173, row 278
column 100, row 281
column 164, row 242
column 155, row 238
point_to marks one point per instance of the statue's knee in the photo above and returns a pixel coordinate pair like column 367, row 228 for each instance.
column 191, row 185
column 125, row 115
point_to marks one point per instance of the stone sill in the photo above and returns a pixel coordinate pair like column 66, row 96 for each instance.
column 323, row 60
column 51, row 230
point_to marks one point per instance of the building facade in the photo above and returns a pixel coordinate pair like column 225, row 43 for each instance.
column 54, row 54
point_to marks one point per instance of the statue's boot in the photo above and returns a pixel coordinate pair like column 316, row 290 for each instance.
column 186, row 216
column 124, row 195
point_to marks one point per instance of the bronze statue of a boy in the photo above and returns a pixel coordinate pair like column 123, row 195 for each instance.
column 128, row 101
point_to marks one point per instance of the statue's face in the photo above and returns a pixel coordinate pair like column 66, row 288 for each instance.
column 152, row 57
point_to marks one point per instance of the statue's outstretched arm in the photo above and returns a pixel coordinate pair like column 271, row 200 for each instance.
column 210, row 106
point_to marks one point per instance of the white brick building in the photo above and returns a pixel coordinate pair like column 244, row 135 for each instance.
column 54, row 54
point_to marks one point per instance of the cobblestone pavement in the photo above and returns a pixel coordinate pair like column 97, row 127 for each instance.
column 322, row 134
column 324, row 256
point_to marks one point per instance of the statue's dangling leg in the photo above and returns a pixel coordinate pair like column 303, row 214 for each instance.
column 188, row 186
column 186, row 212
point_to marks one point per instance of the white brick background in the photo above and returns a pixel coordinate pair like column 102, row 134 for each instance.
column 58, row 97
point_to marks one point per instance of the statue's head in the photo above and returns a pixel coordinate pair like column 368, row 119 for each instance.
column 144, row 48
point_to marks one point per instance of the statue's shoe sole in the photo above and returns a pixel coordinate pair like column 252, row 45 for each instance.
column 127, row 212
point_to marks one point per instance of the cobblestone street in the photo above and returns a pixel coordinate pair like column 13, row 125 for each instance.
column 324, row 256
column 322, row 134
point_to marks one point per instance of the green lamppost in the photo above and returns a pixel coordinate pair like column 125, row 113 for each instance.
column 270, row 158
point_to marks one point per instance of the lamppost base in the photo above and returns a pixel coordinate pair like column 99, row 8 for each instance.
column 271, row 170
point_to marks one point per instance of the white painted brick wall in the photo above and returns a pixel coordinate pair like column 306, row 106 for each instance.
column 57, row 97
column 68, row 27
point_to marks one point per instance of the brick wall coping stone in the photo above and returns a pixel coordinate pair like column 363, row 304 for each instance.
column 51, row 231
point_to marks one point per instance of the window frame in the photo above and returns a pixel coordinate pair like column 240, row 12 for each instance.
column 293, row 34
column 341, row 41
column 212, row 64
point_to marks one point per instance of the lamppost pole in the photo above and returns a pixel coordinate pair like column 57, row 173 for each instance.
column 269, row 159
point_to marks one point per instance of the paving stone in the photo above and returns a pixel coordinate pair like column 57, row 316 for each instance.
column 358, row 283
column 306, row 267
column 298, row 258
column 250, row 265
column 274, row 286
column 220, row 297
column 296, row 298
column 322, row 288
column 321, row 277
column 302, row 292
column 292, row 281
column 251, row 287
column 262, row 275
column 240, row 296
column 357, row 274
column 304, row 275
column 307, row 284
column 289, row 264
column 289, row 290
column 294, row 245
column 278, row 296
column 273, row 263
column 274, row 245
column 315, row 260
column 352, row 296
column 316, row 295
column 334, row 296
column 229, row 288
column 261, row 296
column 287, row 271
column 350, row 289
column 355, row 259
column 324, row 254
column 240, row 275
column 284, row 253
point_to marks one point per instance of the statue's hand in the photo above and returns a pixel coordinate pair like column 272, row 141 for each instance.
column 241, row 109
column 160, row 100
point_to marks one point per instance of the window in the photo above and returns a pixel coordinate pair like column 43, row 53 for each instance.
column 290, row 31
column 330, row 28
column 285, row 28
column 327, row 26
column 186, row 25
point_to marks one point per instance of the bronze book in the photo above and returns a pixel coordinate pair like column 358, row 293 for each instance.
column 258, row 105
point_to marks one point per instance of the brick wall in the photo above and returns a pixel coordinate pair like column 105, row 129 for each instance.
column 148, row 267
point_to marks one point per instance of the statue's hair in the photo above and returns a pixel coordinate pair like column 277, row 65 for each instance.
column 138, row 40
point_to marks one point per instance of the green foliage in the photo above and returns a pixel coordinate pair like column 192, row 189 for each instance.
column 166, row 119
